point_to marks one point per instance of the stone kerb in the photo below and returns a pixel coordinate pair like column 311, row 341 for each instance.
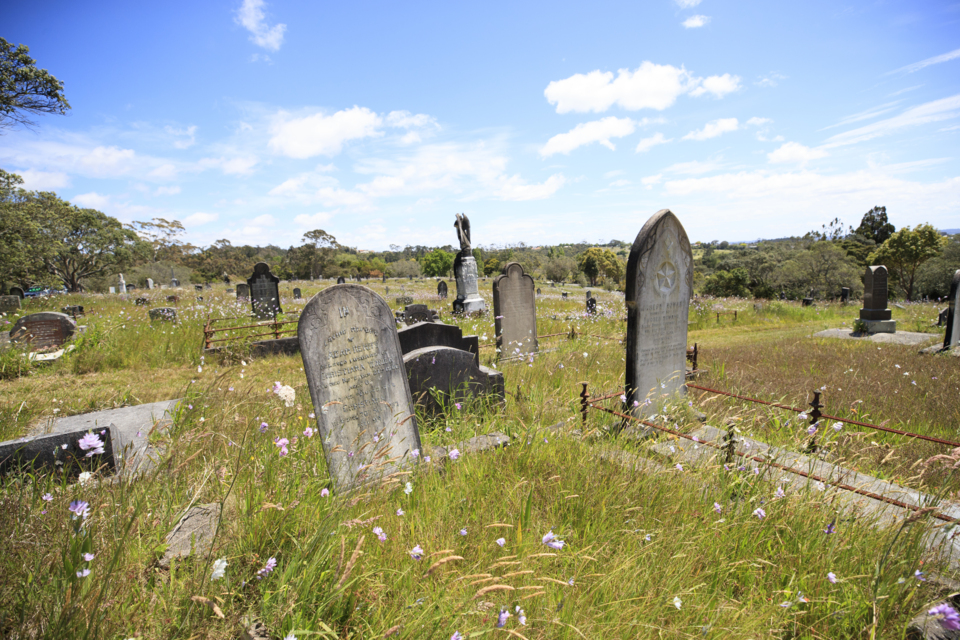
column 264, row 292
column 44, row 329
column 659, row 285
column 441, row 376
column 361, row 397
column 515, row 311
column 951, row 339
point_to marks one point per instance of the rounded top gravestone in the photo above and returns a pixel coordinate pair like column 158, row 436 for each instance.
column 44, row 329
column 358, row 384
column 515, row 310
column 659, row 284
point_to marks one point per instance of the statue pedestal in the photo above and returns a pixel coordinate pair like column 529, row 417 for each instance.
column 468, row 294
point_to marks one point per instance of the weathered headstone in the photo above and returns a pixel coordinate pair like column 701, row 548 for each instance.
column 844, row 294
column 465, row 269
column 9, row 304
column 131, row 287
column 404, row 300
column 174, row 283
column 198, row 287
column 538, row 290
column 875, row 314
column 592, row 306
column 173, row 299
column 141, row 302
column 951, row 338
column 437, row 334
column 113, row 289
column 384, row 277
column 659, row 284
column 45, row 329
column 414, row 313
column 264, row 292
column 442, row 289
column 564, row 295
column 16, row 291
column 149, row 283
column 361, row 397
column 589, row 294
column 297, row 295
column 243, row 291
column 163, row 313
column 515, row 311
column 73, row 310
column 451, row 374
column 341, row 280
column 806, row 302
column 942, row 316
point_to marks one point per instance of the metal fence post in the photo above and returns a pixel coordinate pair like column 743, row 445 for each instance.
column 583, row 403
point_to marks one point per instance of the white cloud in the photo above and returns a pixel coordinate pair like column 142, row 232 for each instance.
column 336, row 197
column 264, row 220
column 614, row 173
column 514, row 188
column 621, row 183
column 696, row 21
column 651, row 86
column 587, row 133
column 43, row 180
column 313, row 221
column 200, row 218
column 184, row 138
column 107, row 161
column 916, row 66
column 794, row 152
column 648, row 143
column 770, row 81
column 163, row 172
column 719, row 86
column 758, row 122
column 92, row 200
column 407, row 120
column 318, row 134
column 934, row 111
column 251, row 17
column 411, row 137
column 867, row 114
column 694, row 167
column 167, row 191
column 713, row 129
column 687, row 4
column 237, row 165
column 649, row 181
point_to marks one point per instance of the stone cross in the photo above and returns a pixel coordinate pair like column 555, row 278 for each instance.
column 515, row 311
column 659, row 284
column 264, row 292
column 952, row 336
column 358, row 384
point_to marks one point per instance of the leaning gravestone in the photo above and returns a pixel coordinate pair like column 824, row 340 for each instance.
column 243, row 291
column 515, row 311
column 163, row 313
column 297, row 295
column 659, row 284
column 442, row 289
column 60, row 452
column 264, row 292
column 16, row 291
column 341, row 280
column 442, row 376
column 875, row 314
column 9, row 304
column 952, row 336
column 361, row 397
column 45, row 329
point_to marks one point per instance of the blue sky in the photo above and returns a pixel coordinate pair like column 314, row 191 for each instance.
column 257, row 121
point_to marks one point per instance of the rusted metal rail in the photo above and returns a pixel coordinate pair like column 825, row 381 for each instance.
column 274, row 326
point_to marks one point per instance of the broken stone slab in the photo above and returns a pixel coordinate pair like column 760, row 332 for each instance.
column 193, row 534
column 910, row 338
column 130, row 427
column 57, row 452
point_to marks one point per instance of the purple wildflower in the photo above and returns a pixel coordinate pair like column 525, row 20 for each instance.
column 91, row 443
column 263, row 427
column 760, row 513
column 83, row 574
column 47, row 497
column 381, row 536
column 463, row 532
column 456, row 636
column 324, row 492
column 812, row 429
column 458, row 406
column 79, row 508
column 551, row 541
column 267, row 568
column 88, row 557
column 501, row 541
column 400, row 512
column 779, row 494
column 502, row 618
column 830, row 529
column 308, row 432
column 948, row 616
column 919, row 575
column 416, row 553
column 454, row 454
column 832, row 577
column 717, row 507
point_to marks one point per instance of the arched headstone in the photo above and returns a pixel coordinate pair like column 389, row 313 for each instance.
column 659, row 284
column 264, row 291
column 442, row 289
column 875, row 313
column 341, row 280
column 16, row 291
column 45, row 329
column 515, row 311
column 296, row 294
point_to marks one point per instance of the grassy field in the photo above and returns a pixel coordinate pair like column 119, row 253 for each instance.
column 655, row 553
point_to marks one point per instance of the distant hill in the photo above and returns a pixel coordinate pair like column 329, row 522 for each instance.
column 949, row 232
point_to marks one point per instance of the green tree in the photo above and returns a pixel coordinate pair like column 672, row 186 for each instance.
column 492, row 266
column 590, row 263
column 437, row 263
column 559, row 267
column 875, row 225
column 24, row 246
column 320, row 249
column 820, row 270
column 905, row 250
column 26, row 91
column 935, row 275
column 728, row 283
column 162, row 235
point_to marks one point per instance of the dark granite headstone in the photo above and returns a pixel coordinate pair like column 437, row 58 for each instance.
column 659, row 284
column 9, row 304
column 436, row 334
column 875, row 313
column 807, row 302
column 341, row 280
column 16, row 291
column 264, row 292
column 174, row 282
column 384, row 277
column 131, row 287
column 564, row 295
column 951, row 338
column 442, row 289
column 47, row 453
column 361, row 398
column 198, row 287
column 73, row 310
column 844, row 294
column 297, row 295
column 45, row 329
column 414, row 313
column 163, row 313
column 591, row 306
column 243, row 291
column 589, row 294
column 451, row 374
column 942, row 316
column 538, row 290
column 515, row 311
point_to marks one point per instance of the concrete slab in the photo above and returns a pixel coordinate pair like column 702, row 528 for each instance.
column 131, row 430
column 909, row 338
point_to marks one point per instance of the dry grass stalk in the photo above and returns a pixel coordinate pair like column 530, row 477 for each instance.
column 535, row 587
column 392, row 630
column 499, row 524
column 441, row 562
column 543, row 555
column 534, row 595
column 350, row 564
column 555, row 580
column 493, row 587
column 514, row 633
column 502, row 564
column 437, row 553
column 473, row 575
column 482, row 580
column 516, row 573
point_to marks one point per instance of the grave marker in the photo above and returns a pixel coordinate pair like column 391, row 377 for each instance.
column 442, row 289
column 198, row 287
column 452, row 374
column 264, row 292
column 341, row 280
column 45, row 329
column 465, row 269
column 297, row 295
column 952, row 336
column 163, row 313
column 592, row 306
column 243, row 291
column 9, row 304
column 659, row 284
column 16, row 291
column 875, row 313
column 149, row 283
column 844, row 294
column 141, row 302
column 414, row 313
column 354, row 368
column 515, row 311
column 437, row 334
